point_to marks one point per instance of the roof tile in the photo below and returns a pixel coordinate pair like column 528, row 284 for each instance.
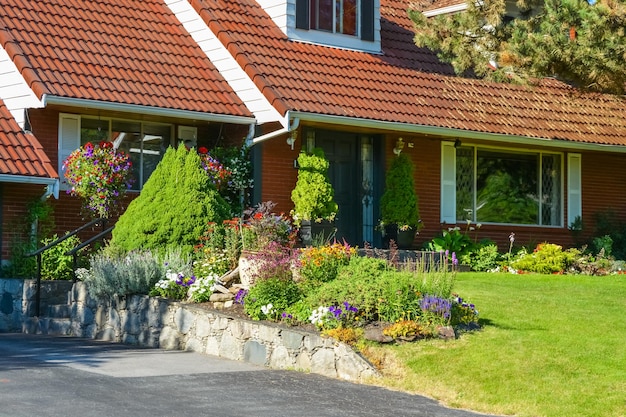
column 20, row 152
column 404, row 84
column 76, row 49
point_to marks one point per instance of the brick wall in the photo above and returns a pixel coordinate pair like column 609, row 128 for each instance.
column 278, row 173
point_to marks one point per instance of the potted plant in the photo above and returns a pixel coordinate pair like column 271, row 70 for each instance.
column 313, row 195
column 399, row 204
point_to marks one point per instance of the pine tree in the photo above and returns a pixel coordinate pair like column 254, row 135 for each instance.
column 581, row 42
column 174, row 207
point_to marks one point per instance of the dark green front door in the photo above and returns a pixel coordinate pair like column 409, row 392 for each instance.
column 351, row 172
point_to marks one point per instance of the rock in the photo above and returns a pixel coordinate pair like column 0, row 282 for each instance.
column 219, row 297
column 446, row 332
column 374, row 332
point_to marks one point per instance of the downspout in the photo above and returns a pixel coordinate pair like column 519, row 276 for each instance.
column 251, row 141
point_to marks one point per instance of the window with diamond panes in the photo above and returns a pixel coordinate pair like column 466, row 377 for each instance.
column 501, row 186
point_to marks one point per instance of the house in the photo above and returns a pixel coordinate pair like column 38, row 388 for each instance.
column 73, row 71
column 291, row 75
column 347, row 77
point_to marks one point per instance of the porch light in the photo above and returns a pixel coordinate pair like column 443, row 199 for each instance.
column 399, row 146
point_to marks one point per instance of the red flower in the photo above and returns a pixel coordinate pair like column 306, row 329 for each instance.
column 202, row 150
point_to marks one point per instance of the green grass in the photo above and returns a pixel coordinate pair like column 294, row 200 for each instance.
column 552, row 345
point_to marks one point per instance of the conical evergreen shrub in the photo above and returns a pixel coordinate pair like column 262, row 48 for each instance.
column 173, row 208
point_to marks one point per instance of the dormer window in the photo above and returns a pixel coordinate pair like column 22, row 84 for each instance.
column 336, row 16
column 344, row 17
column 350, row 24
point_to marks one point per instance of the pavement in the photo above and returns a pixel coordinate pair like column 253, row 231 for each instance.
column 43, row 376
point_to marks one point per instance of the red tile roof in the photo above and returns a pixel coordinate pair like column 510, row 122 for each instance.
column 21, row 153
column 404, row 84
column 131, row 52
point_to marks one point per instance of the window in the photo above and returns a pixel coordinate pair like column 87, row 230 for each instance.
column 337, row 16
column 502, row 186
column 144, row 142
column 338, row 22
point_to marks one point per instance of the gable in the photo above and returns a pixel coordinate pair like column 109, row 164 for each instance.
column 21, row 154
column 134, row 53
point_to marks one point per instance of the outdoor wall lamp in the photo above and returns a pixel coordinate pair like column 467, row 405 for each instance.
column 399, row 146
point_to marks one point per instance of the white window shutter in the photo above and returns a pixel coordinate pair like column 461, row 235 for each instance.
column 69, row 140
column 574, row 188
column 448, row 183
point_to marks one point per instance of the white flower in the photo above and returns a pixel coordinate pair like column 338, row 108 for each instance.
column 318, row 315
column 267, row 310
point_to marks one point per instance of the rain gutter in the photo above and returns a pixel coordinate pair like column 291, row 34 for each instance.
column 52, row 184
column 147, row 110
column 453, row 133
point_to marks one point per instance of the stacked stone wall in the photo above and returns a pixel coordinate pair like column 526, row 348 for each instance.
column 160, row 323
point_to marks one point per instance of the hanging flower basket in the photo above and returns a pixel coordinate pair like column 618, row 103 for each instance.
column 100, row 175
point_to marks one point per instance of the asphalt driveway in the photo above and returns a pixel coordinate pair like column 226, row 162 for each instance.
column 44, row 376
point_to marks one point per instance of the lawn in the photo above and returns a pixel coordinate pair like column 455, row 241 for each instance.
column 552, row 345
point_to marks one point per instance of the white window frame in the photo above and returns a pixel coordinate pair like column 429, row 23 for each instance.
column 69, row 139
column 338, row 40
column 448, row 184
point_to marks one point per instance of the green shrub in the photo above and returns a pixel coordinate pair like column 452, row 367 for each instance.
column 269, row 298
column 485, row 258
column 547, row 258
column 453, row 241
column 134, row 273
column 399, row 202
column 55, row 265
column 313, row 195
column 174, row 207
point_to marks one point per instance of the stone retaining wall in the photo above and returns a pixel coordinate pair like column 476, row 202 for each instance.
column 160, row 323
column 17, row 300
column 157, row 322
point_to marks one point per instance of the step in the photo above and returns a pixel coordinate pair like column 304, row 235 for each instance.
column 47, row 326
column 59, row 311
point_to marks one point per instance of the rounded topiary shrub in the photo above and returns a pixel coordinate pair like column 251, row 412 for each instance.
column 174, row 207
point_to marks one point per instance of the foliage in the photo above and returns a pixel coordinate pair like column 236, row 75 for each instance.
column 172, row 211
column 236, row 161
column 546, row 258
column 348, row 335
column 581, row 42
column 319, row 264
column 335, row 316
column 451, row 240
column 55, row 265
column 269, row 298
column 100, row 175
column 399, row 202
column 217, row 173
column 175, row 285
column 436, row 310
column 261, row 226
column 39, row 213
column 275, row 261
column 485, row 258
column 134, row 273
column 463, row 312
column 220, row 245
column 313, row 195
column 407, row 330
